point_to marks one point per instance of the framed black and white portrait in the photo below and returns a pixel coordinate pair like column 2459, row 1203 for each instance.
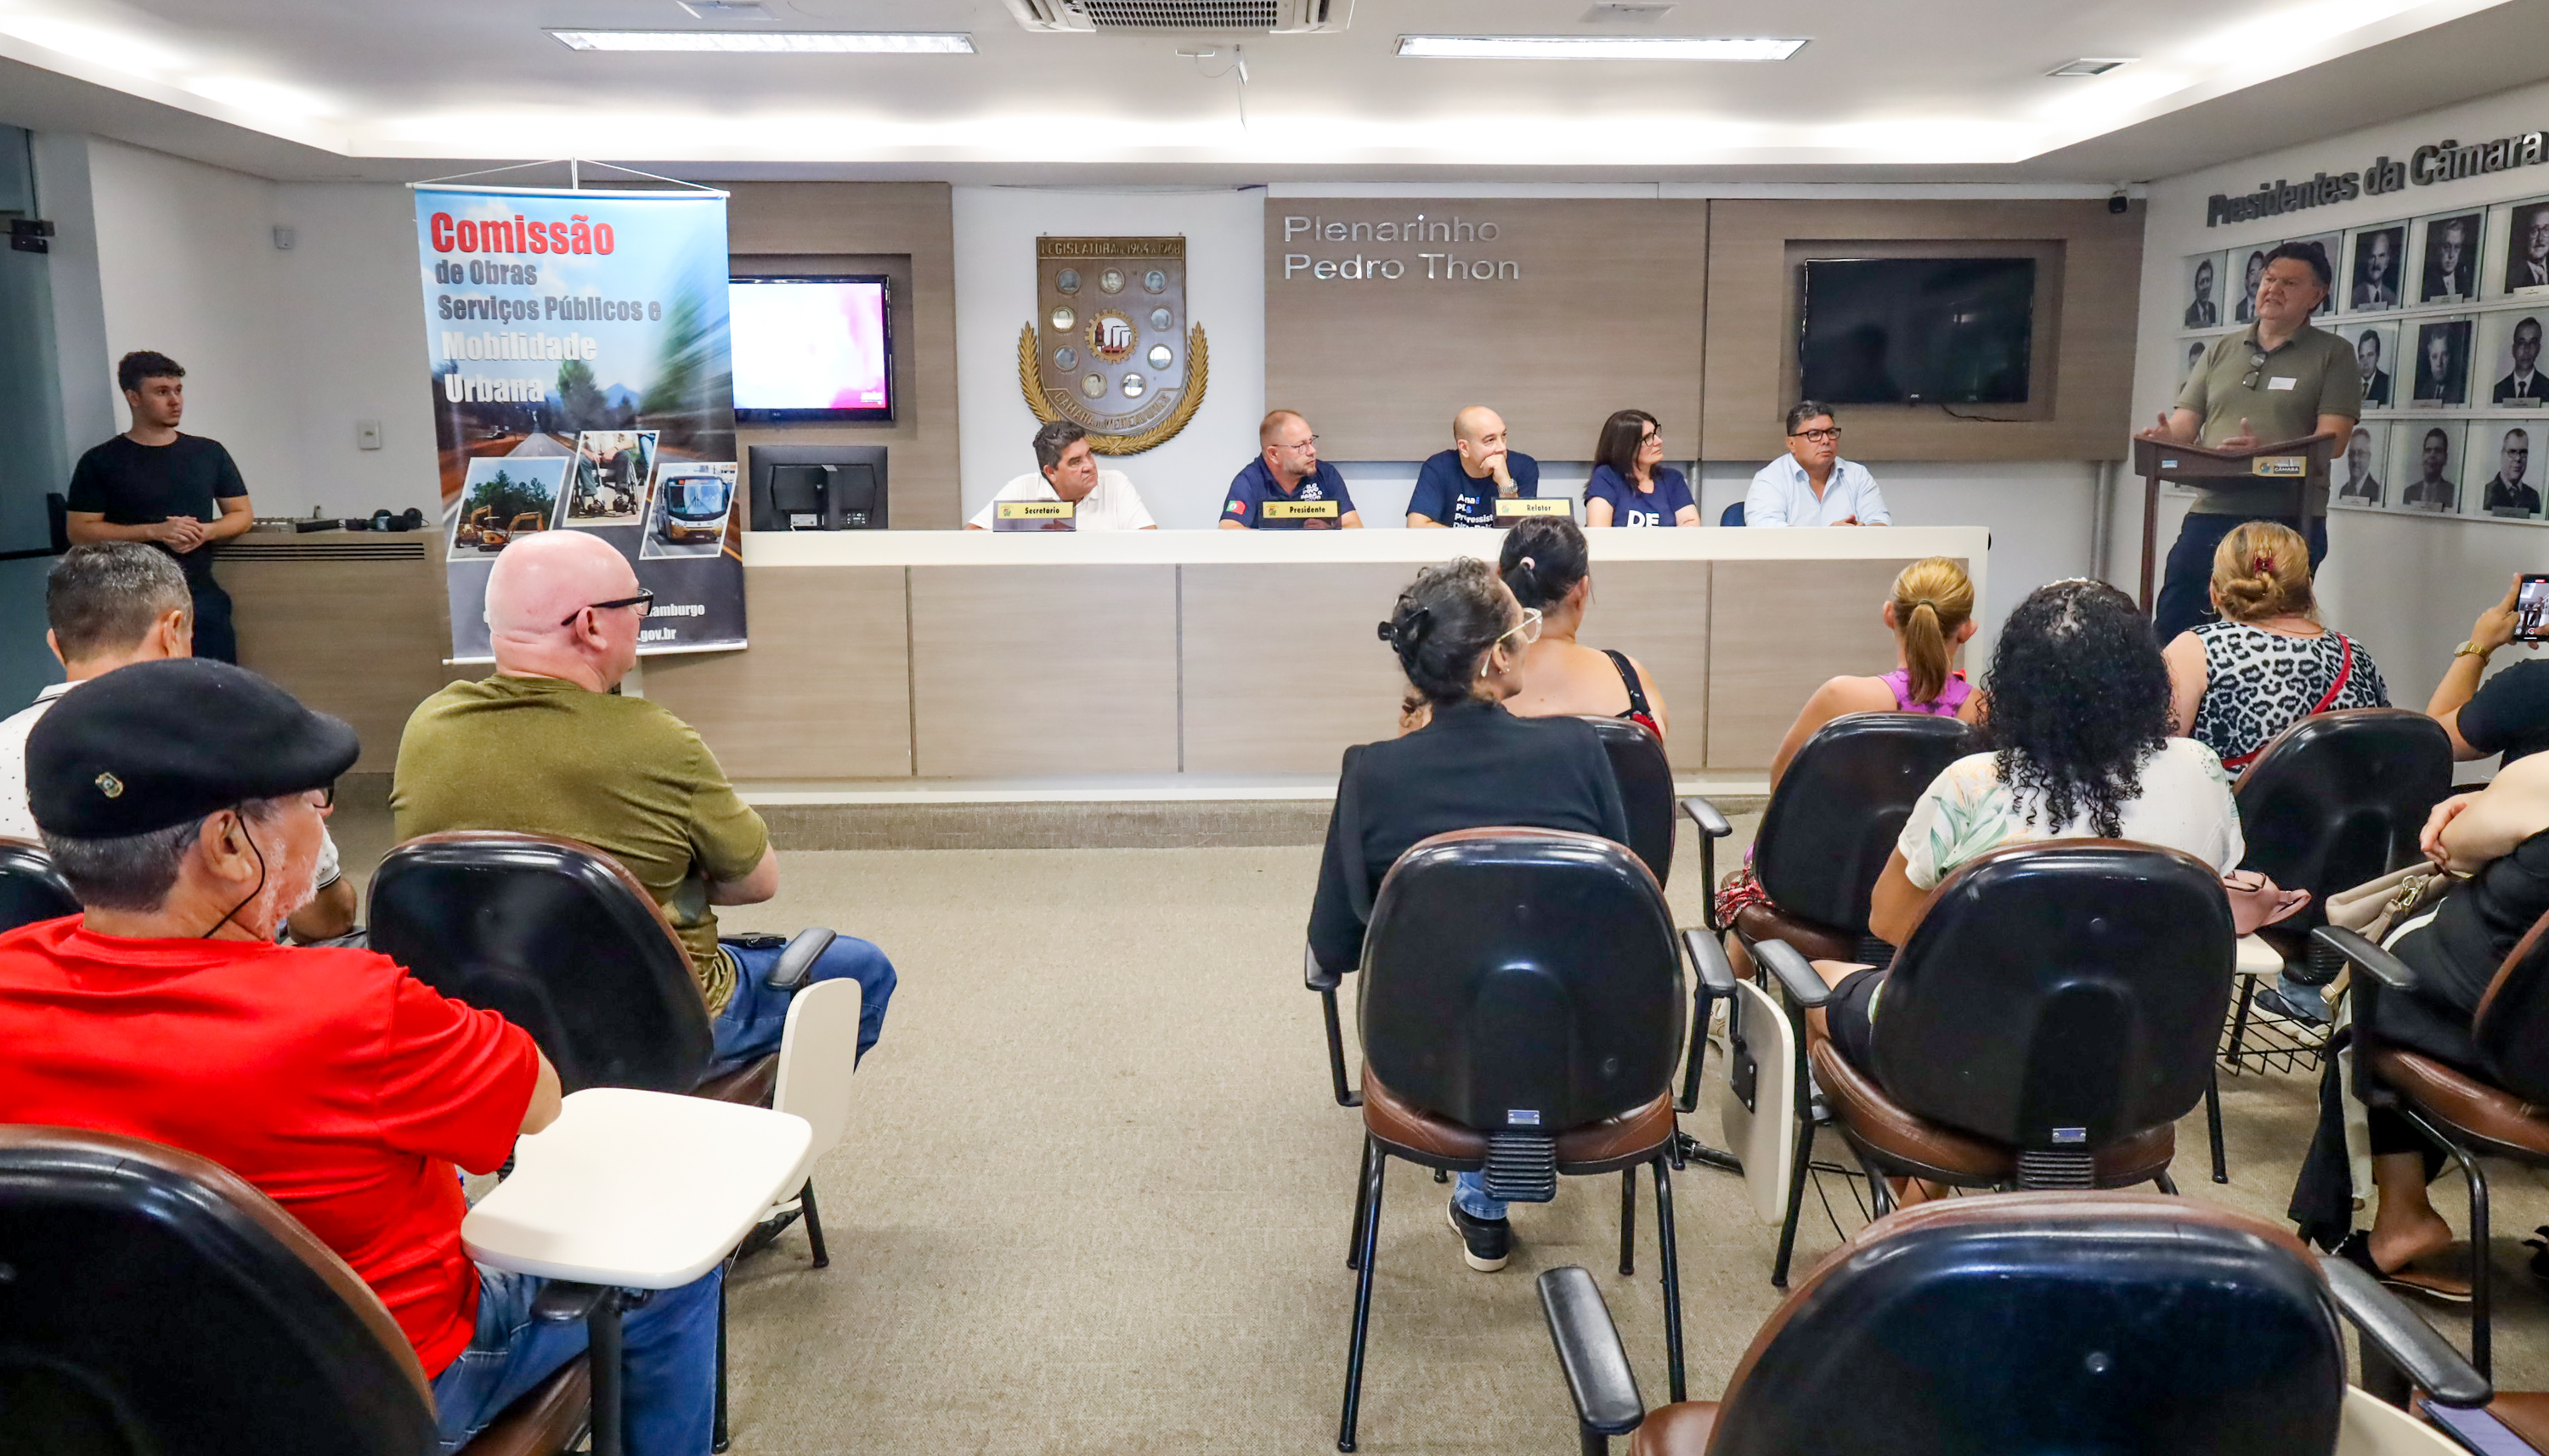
column 2504, row 461
column 2439, row 368
column 2191, row 352
column 2509, row 359
column 2358, row 475
column 2447, row 260
column 2526, row 249
column 2203, row 291
column 2330, row 248
column 2425, row 465
column 2252, row 267
column 2376, row 358
column 2375, row 259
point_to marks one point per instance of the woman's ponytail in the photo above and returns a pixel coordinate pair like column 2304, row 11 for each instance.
column 1933, row 599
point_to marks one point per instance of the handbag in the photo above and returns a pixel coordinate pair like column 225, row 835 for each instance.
column 2371, row 908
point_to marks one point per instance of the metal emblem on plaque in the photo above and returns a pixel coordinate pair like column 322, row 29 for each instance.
column 1109, row 369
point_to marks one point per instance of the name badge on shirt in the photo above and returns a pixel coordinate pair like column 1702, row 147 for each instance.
column 1516, row 509
column 1298, row 511
column 1033, row 515
column 2281, row 382
column 2284, row 465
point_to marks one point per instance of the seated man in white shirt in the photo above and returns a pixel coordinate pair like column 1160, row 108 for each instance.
column 109, row 605
column 1067, row 469
column 1812, row 486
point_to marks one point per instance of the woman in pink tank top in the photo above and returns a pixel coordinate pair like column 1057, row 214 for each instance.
column 1931, row 613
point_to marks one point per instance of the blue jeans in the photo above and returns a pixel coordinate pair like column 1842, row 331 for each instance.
column 2185, row 593
column 756, row 1017
column 1469, row 1191
column 669, row 1357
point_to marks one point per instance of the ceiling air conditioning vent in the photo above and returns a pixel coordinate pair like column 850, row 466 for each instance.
column 1261, row 16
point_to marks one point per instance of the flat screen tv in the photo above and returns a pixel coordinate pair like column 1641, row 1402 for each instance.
column 1917, row 331
column 812, row 348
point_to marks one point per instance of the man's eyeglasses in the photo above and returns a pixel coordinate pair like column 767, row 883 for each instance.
column 2256, row 368
column 1305, row 444
column 644, row 601
column 1819, row 436
column 1527, row 628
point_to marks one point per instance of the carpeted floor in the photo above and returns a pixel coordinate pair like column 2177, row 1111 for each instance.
column 1096, row 1194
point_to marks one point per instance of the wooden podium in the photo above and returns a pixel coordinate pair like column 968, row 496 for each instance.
column 2303, row 462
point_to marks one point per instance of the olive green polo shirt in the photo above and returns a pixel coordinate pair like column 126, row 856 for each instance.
column 542, row 755
column 2310, row 373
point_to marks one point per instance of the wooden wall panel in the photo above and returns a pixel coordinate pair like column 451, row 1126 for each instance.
column 362, row 639
column 1777, row 630
column 1607, row 313
column 823, row 693
column 2088, row 338
column 907, row 230
column 1282, row 669
column 1658, row 612
column 1046, row 670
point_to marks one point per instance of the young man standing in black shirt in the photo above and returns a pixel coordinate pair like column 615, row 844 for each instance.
column 181, row 493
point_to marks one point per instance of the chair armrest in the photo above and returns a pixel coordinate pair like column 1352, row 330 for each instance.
column 1325, row 981
column 796, row 962
column 1316, row 976
column 1708, row 959
column 2404, row 1337
column 1806, row 990
column 1598, row 1377
column 1706, row 818
column 564, row 1302
column 2374, row 961
column 1715, row 982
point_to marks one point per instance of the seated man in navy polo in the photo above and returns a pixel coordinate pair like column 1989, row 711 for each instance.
column 1306, row 493
column 1461, row 485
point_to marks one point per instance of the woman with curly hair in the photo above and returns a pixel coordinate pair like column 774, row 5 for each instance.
column 2079, row 729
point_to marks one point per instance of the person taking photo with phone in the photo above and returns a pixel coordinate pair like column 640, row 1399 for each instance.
column 2509, row 713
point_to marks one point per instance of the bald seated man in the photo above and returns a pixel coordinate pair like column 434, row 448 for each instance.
column 1461, row 485
column 544, row 746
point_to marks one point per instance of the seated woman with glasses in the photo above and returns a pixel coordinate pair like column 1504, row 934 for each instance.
column 1544, row 565
column 1631, row 484
column 1460, row 638
column 1812, row 486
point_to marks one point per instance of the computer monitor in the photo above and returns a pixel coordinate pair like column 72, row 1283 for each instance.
column 818, row 488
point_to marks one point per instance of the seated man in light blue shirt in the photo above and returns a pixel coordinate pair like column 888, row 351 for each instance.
column 1812, row 486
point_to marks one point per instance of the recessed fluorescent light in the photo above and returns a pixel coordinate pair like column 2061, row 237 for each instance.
column 866, row 42
column 2091, row 65
column 1595, row 47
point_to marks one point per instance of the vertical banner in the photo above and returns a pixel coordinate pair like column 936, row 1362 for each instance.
column 582, row 382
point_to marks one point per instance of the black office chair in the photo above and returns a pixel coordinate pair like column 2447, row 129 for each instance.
column 2119, row 1323
column 2046, row 1025
column 1520, row 1018
column 154, row 1304
column 2330, row 802
column 1645, row 780
column 31, row 888
column 1830, row 827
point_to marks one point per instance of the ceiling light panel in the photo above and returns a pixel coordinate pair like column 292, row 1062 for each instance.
column 1597, row 47
column 774, row 43
column 2090, row 65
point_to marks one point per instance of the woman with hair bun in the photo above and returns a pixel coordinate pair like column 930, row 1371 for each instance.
column 1460, row 637
column 1544, row 565
column 2267, row 664
column 1931, row 613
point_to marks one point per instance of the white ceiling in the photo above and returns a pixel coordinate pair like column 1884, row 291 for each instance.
column 1885, row 90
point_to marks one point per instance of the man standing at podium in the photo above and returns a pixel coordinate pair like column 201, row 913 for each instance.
column 2281, row 380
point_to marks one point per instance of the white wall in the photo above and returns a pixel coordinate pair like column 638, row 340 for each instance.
column 1182, row 481
column 2406, row 586
column 284, row 350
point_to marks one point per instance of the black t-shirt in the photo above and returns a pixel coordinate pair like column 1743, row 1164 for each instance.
column 2510, row 713
column 136, row 485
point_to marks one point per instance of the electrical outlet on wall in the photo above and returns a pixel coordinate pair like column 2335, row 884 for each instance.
column 367, row 434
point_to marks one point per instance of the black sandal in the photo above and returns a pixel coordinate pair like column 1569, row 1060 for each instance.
column 2357, row 1250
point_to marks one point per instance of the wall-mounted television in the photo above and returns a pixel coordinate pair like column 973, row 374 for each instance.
column 812, row 348
column 1917, row 331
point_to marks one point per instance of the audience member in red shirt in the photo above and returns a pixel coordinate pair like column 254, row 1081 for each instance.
column 184, row 802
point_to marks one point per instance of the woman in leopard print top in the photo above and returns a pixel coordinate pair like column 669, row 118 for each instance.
column 2267, row 664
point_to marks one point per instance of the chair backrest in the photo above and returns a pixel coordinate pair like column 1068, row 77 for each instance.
column 1522, row 971
column 2511, row 1024
column 2106, row 1323
column 1645, row 781
column 157, row 1304
column 1832, row 821
column 31, row 888
column 816, row 1054
column 2058, row 996
column 1732, row 515
column 561, row 940
column 2339, row 799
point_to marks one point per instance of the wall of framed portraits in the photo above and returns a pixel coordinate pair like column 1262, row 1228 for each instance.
column 2443, row 289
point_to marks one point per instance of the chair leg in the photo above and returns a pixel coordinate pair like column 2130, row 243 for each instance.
column 1881, row 1194
column 2481, row 1341
column 2213, row 1121
column 813, row 1225
column 1362, row 1201
column 602, row 1342
column 1668, row 1253
column 1796, row 1199
column 1628, row 1221
column 2167, row 1184
column 1376, row 1173
column 2239, row 1020
column 718, row 1438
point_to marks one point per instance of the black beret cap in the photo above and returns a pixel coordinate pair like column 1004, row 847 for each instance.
column 161, row 743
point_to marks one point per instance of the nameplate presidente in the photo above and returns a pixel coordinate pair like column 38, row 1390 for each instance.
column 1299, row 509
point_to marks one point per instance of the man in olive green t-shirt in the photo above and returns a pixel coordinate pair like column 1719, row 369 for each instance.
column 2282, row 380
column 545, row 747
